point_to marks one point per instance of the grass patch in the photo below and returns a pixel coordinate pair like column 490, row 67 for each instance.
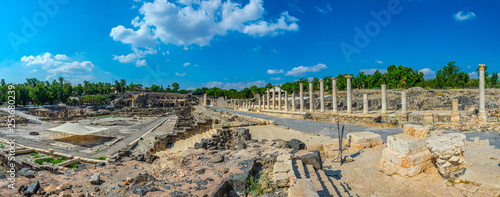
column 451, row 181
column 102, row 158
column 465, row 182
column 53, row 161
column 73, row 165
column 2, row 146
column 35, row 153
column 258, row 185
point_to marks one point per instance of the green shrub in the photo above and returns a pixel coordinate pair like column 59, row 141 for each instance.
column 258, row 185
column 102, row 158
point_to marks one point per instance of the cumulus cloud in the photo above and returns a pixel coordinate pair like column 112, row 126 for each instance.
column 186, row 64
column 372, row 70
column 276, row 78
column 58, row 64
column 428, row 73
column 379, row 62
column 135, row 57
column 302, row 70
column 473, row 75
column 272, row 72
column 460, row 16
column 196, row 22
column 237, row 86
column 180, row 74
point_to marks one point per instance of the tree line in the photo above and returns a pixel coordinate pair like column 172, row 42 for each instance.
column 49, row 92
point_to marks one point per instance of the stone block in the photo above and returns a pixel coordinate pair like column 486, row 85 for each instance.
column 361, row 137
column 406, row 144
column 390, row 168
column 312, row 159
column 331, row 150
column 406, row 161
column 303, row 187
column 447, row 152
column 95, row 178
column 282, row 167
column 416, row 130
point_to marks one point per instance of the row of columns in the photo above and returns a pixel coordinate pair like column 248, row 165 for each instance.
column 266, row 100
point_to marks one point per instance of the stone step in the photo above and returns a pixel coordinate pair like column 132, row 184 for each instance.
column 300, row 169
column 329, row 189
column 341, row 188
column 315, row 180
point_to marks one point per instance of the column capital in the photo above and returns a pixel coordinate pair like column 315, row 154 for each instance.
column 334, row 78
column 310, row 82
column 482, row 67
column 321, row 80
column 301, row 83
column 348, row 76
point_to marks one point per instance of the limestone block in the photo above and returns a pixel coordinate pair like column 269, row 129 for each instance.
column 416, row 130
column 362, row 137
column 303, row 187
column 390, row 168
column 406, row 161
column 406, row 144
column 447, row 152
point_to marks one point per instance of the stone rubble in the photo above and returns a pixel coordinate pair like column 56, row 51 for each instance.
column 447, row 152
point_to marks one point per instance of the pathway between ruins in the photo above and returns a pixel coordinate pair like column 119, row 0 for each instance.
column 315, row 127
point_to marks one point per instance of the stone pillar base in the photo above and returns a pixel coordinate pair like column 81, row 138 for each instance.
column 455, row 118
column 482, row 116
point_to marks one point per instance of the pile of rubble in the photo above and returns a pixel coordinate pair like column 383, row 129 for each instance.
column 233, row 139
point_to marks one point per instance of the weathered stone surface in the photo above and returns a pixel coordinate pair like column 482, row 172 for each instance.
column 295, row 144
column 391, row 168
column 365, row 136
column 303, row 187
column 312, row 159
column 416, row 130
column 32, row 188
column 95, row 178
column 406, row 144
column 406, row 161
column 447, row 152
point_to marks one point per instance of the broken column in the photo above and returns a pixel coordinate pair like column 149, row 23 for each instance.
column 279, row 98
column 455, row 116
column 406, row 153
column 334, row 95
column 403, row 102
column 321, row 95
column 311, row 97
column 205, row 99
column 384, row 99
column 349, row 96
column 286, row 100
column 365, row 104
column 482, row 111
column 293, row 101
column 259, row 102
column 447, row 152
column 274, row 98
column 301, row 95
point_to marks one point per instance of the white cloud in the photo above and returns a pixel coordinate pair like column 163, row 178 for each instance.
column 58, row 65
column 460, row 16
column 137, row 56
column 469, row 67
column 321, row 10
column 237, row 86
column 180, row 74
column 428, row 73
column 302, row 70
column 140, row 63
column 188, row 22
column 272, row 72
column 379, row 62
column 276, row 78
column 372, row 70
column 186, row 64
column 473, row 75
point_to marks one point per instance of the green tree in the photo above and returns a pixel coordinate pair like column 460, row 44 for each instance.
column 175, row 86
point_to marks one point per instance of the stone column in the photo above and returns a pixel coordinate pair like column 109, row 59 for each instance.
column 455, row 117
column 334, row 95
column 403, row 102
column 365, row 103
column 274, row 98
column 384, row 99
column 482, row 102
column 322, row 94
column 205, row 99
column 286, row 100
column 293, row 101
column 311, row 97
column 349, row 96
column 279, row 98
column 301, row 95
column 268, row 106
column 258, row 100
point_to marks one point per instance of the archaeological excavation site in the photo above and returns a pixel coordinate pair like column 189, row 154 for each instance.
column 320, row 142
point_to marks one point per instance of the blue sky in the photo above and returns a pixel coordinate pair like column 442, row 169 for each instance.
column 238, row 44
